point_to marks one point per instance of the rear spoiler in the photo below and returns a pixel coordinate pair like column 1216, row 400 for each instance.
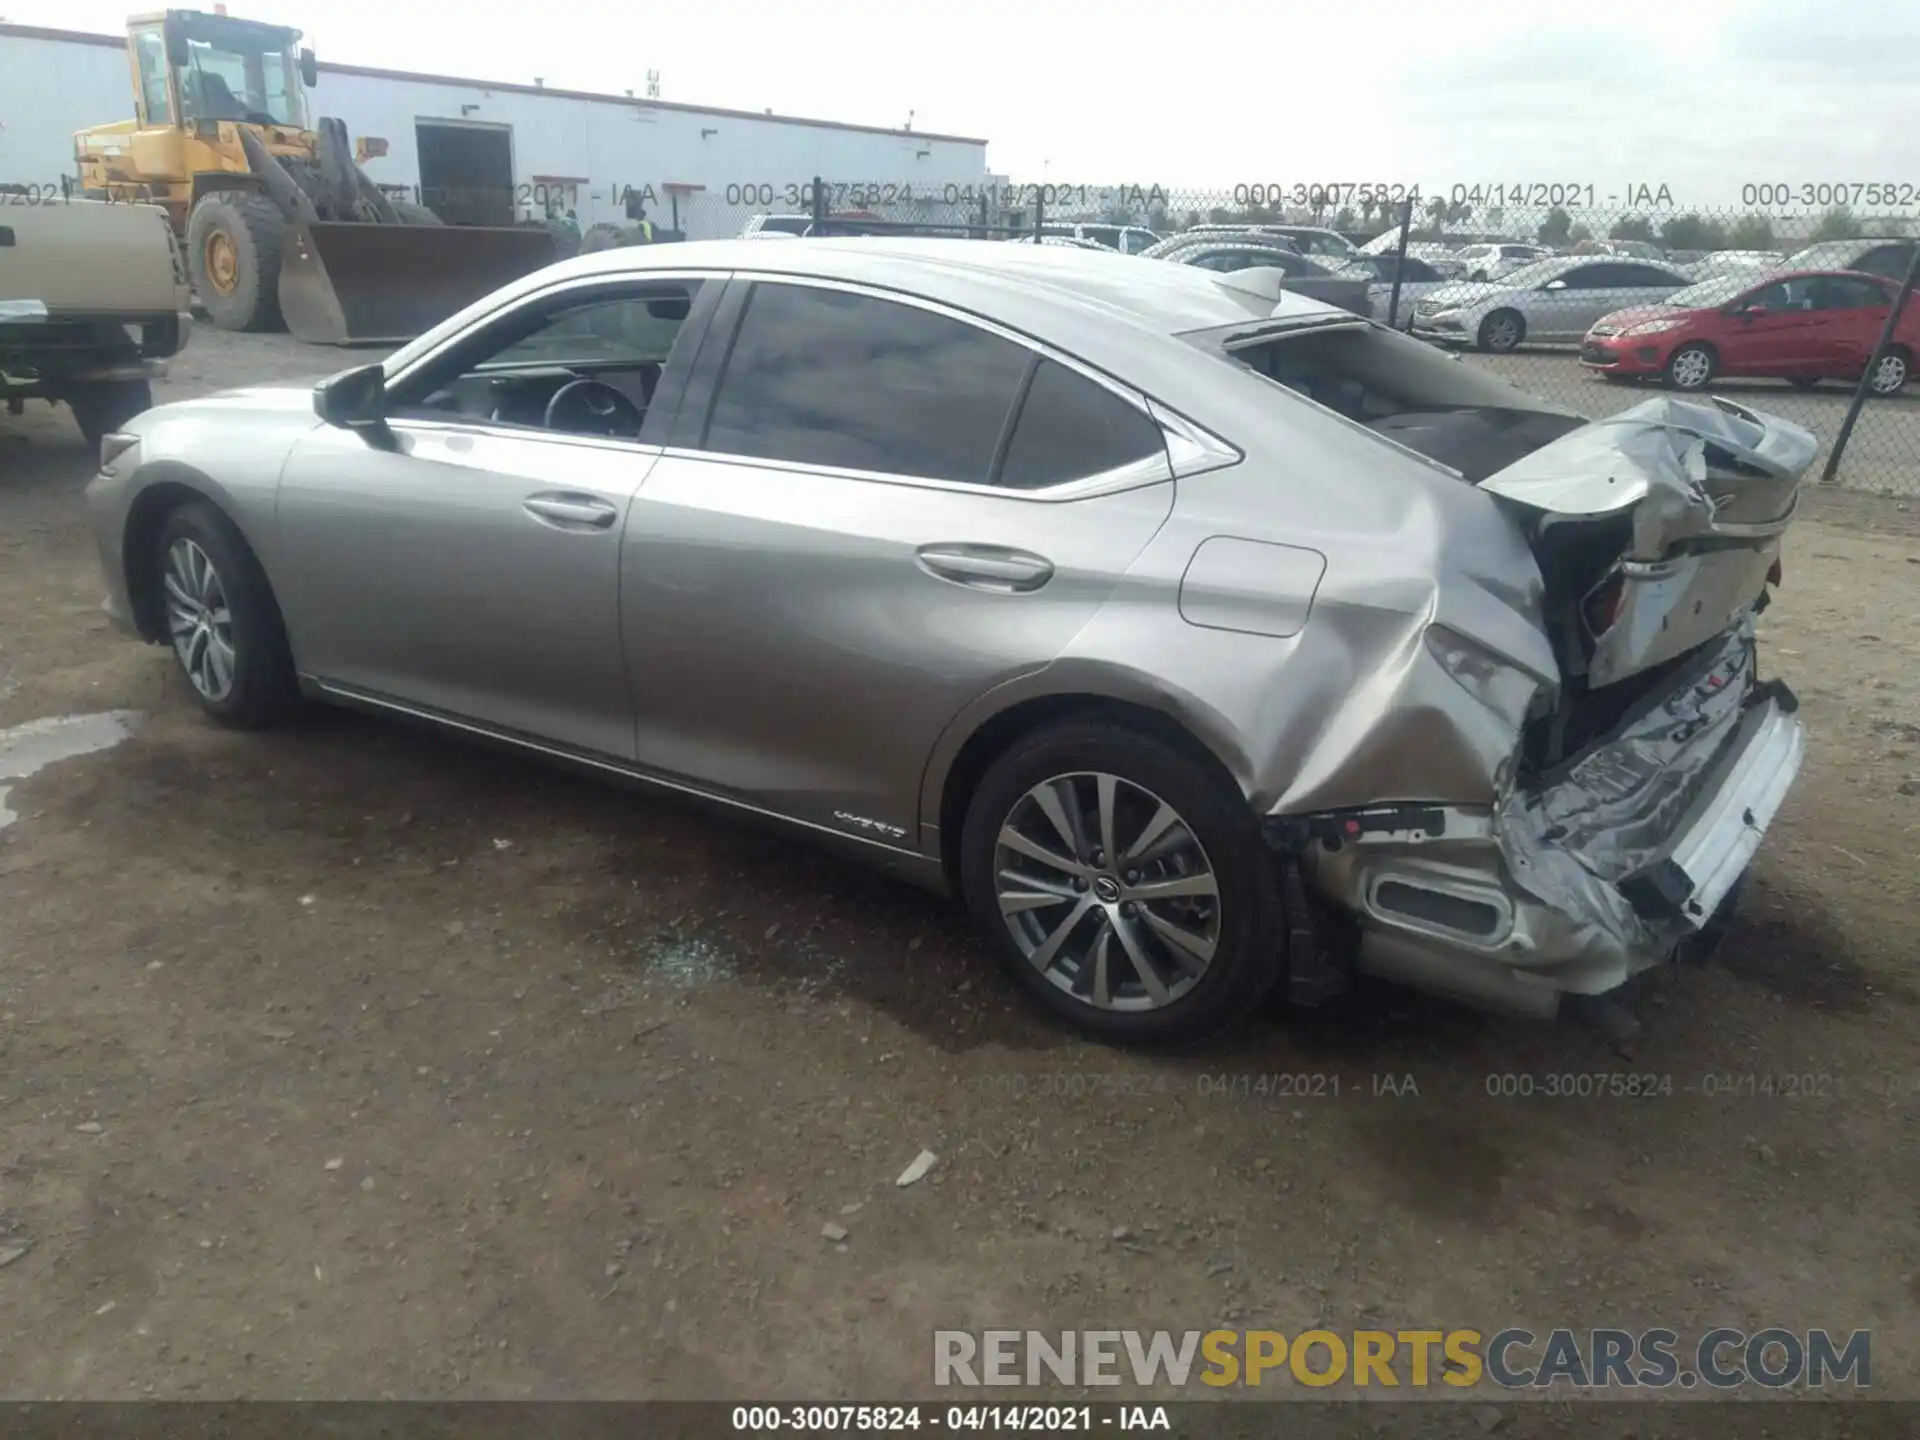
column 1247, row 335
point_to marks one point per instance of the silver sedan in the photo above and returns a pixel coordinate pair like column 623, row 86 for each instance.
column 1552, row 301
column 1205, row 644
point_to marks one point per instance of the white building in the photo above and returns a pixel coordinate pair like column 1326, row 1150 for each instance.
column 708, row 168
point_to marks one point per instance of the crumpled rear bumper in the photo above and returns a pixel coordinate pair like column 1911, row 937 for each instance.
column 1596, row 873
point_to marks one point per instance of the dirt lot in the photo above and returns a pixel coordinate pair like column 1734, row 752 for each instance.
column 351, row 1061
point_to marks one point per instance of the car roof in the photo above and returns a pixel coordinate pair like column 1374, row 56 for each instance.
column 1064, row 291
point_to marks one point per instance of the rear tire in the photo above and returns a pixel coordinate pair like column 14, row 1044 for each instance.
column 1221, row 884
column 1502, row 331
column 1692, row 367
column 222, row 622
column 234, row 244
column 102, row 406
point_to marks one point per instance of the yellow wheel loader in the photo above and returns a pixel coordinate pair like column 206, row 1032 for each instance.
column 282, row 229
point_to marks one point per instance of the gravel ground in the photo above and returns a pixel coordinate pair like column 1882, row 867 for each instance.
column 349, row 1060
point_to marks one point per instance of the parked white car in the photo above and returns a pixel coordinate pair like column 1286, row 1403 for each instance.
column 1497, row 260
column 1553, row 300
column 1419, row 280
column 1127, row 239
column 1735, row 262
column 776, row 227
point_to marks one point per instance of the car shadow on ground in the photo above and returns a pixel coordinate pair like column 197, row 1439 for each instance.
column 657, row 888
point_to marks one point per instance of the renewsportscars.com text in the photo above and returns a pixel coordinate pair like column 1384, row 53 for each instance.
column 1510, row 1359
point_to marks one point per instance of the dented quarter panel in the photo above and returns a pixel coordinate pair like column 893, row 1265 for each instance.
column 1354, row 706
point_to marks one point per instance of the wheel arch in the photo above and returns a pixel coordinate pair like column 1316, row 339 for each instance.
column 165, row 486
column 998, row 720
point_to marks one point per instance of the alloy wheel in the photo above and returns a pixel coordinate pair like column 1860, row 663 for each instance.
column 1503, row 333
column 1691, row 369
column 199, row 620
column 1890, row 374
column 1107, row 891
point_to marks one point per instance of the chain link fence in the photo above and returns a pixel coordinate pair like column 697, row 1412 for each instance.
column 1589, row 305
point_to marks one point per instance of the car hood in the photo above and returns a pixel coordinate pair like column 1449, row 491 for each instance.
column 1467, row 292
column 1638, row 315
column 282, row 399
column 265, row 420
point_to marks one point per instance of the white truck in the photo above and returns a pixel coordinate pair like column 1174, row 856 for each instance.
column 93, row 299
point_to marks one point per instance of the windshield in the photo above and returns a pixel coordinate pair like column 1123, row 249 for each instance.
column 1707, row 293
column 1830, row 255
column 1538, row 273
column 238, row 72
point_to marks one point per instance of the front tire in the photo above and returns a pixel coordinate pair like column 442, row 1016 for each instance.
column 222, row 621
column 1164, row 943
column 1890, row 375
column 234, row 245
column 1502, row 331
column 1692, row 367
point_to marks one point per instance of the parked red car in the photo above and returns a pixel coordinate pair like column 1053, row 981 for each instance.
column 1799, row 325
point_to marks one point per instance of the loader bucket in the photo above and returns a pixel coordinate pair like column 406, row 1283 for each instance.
column 349, row 283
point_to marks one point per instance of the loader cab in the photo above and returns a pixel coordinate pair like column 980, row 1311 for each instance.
column 194, row 69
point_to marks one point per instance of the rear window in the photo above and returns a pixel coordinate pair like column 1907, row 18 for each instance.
column 1407, row 392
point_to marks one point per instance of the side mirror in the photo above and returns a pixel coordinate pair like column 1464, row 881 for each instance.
column 1752, row 312
column 309, row 69
column 354, row 400
column 1554, row 285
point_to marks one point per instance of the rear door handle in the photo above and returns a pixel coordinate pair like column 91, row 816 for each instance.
column 572, row 512
column 987, row 567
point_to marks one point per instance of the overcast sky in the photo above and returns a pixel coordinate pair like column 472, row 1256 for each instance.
column 1699, row 95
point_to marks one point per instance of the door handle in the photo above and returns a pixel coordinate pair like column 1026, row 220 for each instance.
column 987, row 567
column 572, row 511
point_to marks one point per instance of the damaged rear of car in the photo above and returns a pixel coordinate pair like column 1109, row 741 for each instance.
column 1641, row 755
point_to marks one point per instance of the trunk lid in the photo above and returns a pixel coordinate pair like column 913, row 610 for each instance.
column 1656, row 529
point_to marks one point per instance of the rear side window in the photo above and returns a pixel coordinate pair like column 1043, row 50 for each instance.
column 1070, row 427
column 1843, row 292
column 823, row 377
column 1888, row 260
column 1647, row 275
